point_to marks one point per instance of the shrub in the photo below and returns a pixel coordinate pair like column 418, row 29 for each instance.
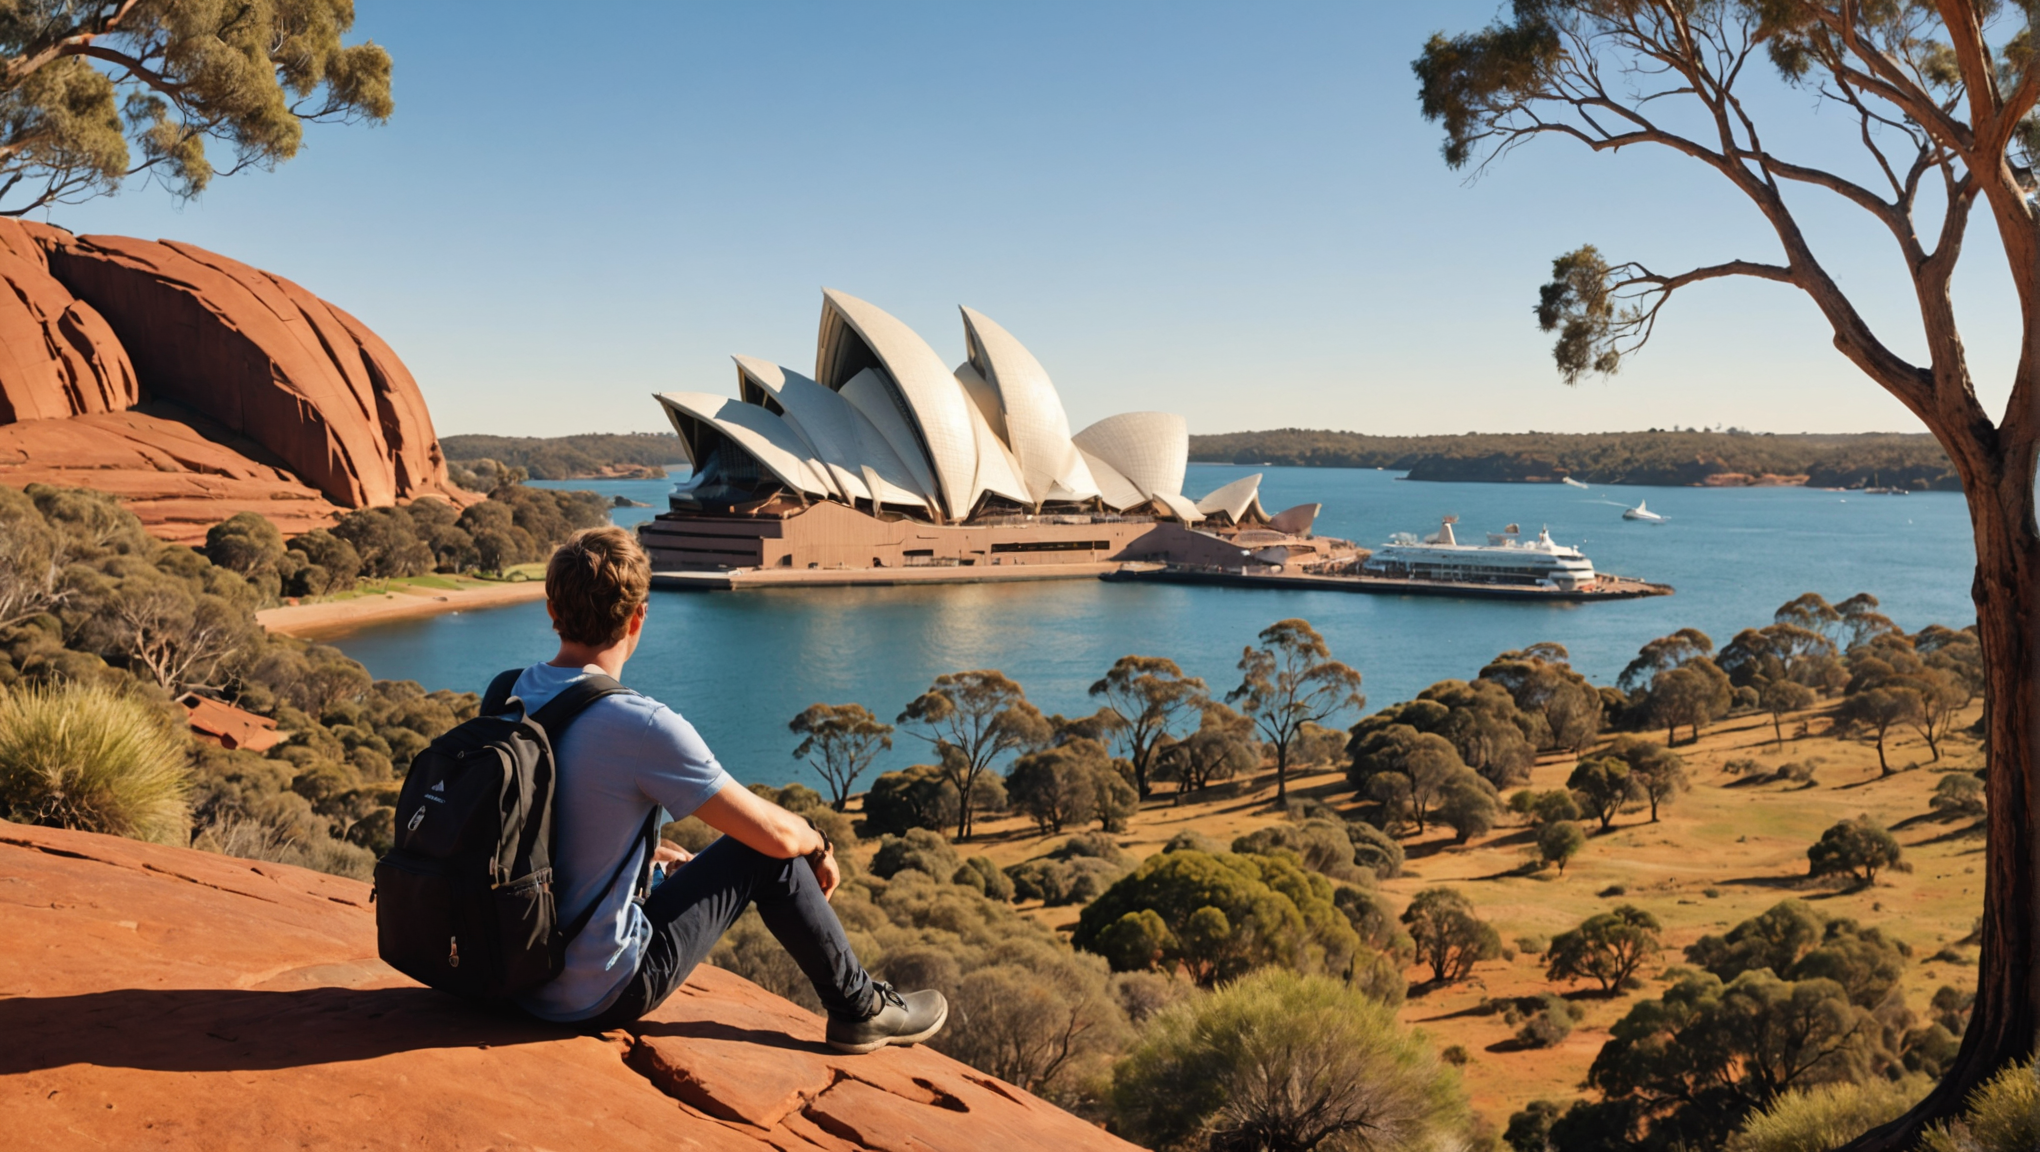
column 2003, row 1116
column 1448, row 936
column 91, row 758
column 920, row 849
column 1455, row 1055
column 1375, row 850
column 1558, row 842
column 1547, row 1027
column 1858, row 849
column 1321, row 844
column 980, row 874
column 1279, row 1060
column 1607, row 948
column 1826, row 1116
column 1228, row 914
column 1958, row 797
column 255, row 840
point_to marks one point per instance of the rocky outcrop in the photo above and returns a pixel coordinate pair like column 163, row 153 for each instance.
column 163, row 998
column 294, row 395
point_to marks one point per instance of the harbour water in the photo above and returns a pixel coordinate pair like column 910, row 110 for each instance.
column 741, row 664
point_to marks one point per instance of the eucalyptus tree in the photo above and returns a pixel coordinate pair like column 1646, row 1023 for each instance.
column 95, row 91
column 1938, row 98
column 1290, row 681
column 973, row 719
column 839, row 741
column 1152, row 698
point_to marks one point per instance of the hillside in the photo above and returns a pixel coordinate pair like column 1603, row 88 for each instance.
column 1722, row 853
column 1674, row 458
column 591, row 456
column 164, row 998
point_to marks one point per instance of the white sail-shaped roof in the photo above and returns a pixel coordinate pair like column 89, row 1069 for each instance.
column 1117, row 491
column 1032, row 421
column 857, row 337
column 840, row 437
column 763, row 435
column 997, row 471
column 876, row 401
column 1179, row 506
column 1233, row 499
column 1150, row 449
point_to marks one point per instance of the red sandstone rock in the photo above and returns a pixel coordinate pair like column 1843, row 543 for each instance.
column 158, row 997
column 58, row 357
column 258, row 395
column 165, row 470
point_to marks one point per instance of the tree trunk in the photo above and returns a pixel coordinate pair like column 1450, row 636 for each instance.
column 1778, row 726
column 1883, row 769
column 1281, row 771
column 2007, row 595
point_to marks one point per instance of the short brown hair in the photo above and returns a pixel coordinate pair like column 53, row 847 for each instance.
column 595, row 582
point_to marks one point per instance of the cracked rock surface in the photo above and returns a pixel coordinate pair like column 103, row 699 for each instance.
column 155, row 997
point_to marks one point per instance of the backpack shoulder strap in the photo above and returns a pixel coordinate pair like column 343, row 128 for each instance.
column 560, row 711
column 497, row 696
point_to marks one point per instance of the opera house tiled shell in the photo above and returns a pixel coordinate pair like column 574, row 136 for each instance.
column 885, row 428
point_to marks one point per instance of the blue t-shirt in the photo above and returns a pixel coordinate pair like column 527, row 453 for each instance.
column 620, row 758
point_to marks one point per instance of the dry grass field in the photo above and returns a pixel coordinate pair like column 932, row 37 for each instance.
column 1722, row 852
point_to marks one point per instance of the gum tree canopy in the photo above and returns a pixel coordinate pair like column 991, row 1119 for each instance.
column 95, row 91
column 1939, row 99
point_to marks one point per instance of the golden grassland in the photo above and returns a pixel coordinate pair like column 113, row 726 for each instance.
column 1722, row 852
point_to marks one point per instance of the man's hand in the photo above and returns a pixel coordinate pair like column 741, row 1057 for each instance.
column 668, row 855
column 827, row 874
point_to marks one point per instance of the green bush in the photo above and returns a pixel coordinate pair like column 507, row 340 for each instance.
column 1827, row 1116
column 2003, row 1116
column 1281, row 1060
column 92, row 758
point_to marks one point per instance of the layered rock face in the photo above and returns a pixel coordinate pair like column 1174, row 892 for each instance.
column 165, row 998
column 300, row 408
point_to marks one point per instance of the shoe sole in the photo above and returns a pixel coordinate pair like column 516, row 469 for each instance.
column 899, row 1041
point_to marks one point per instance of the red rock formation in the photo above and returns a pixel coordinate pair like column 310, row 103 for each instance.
column 196, row 387
column 57, row 356
column 264, row 358
column 164, row 998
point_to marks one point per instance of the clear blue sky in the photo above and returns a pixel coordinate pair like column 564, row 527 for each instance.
column 1229, row 211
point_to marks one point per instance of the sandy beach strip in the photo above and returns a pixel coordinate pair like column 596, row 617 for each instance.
column 331, row 618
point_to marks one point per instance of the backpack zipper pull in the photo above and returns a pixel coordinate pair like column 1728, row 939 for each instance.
column 453, row 952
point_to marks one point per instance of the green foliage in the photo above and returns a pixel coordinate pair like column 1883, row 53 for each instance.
column 1488, row 733
column 1291, row 681
column 1076, row 873
column 1541, row 1021
column 1449, row 936
column 1607, row 948
column 1151, row 699
column 1282, row 1060
column 1322, row 845
column 1541, row 808
column 1673, row 457
column 1227, row 914
column 91, row 758
column 1071, row 783
column 839, row 742
column 1530, row 1129
column 585, row 457
column 2003, row 1116
column 917, row 797
column 91, row 85
column 1958, row 797
column 1858, row 849
column 1658, row 773
column 920, row 849
column 1541, row 681
column 1797, row 943
column 1705, row 1055
column 1603, row 786
column 1023, row 1005
column 981, row 875
column 1375, row 850
column 973, row 719
column 1223, row 746
column 1827, row 1116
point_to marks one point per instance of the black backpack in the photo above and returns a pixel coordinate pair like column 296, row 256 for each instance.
column 464, row 900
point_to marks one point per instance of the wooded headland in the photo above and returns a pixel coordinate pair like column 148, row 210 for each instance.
column 593, row 455
column 1676, row 458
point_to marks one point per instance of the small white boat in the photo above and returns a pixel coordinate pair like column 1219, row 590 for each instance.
column 1570, row 482
column 1642, row 513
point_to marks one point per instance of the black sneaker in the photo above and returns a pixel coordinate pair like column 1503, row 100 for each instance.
column 902, row 1020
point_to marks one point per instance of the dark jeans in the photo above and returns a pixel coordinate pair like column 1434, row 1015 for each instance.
column 699, row 901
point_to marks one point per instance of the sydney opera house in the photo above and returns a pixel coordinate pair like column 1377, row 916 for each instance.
column 887, row 460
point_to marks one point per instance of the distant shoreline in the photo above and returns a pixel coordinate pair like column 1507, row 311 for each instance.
column 326, row 619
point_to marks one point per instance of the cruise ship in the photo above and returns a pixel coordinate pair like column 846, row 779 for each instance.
column 1506, row 559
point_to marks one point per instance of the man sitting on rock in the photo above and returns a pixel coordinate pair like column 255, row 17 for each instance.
column 628, row 754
